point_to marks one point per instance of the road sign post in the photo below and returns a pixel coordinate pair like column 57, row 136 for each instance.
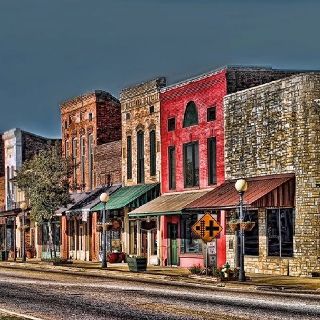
column 207, row 228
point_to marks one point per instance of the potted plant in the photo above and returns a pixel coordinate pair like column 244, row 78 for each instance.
column 137, row 263
column 99, row 227
column 233, row 222
column 247, row 225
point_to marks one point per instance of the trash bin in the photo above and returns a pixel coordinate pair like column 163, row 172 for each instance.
column 4, row 255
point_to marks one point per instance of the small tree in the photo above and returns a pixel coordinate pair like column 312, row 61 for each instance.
column 45, row 181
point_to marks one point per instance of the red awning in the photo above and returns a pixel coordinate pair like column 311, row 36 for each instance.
column 266, row 191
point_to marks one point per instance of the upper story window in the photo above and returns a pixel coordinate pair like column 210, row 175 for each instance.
column 129, row 158
column 128, row 116
column 66, row 124
column 153, row 157
column 90, row 116
column 190, row 115
column 151, row 109
column 171, row 124
column 211, row 114
column 191, row 164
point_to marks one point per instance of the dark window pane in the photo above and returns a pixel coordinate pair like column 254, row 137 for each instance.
column 211, row 114
column 190, row 115
column 251, row 238
column 140, row 157
column 212, row 161
column 287, row 224
column 129, row 158
column 151, row 109
column 153, row 168
column 190, row 243
column 171, row 124
column 273, row 233
column 172, row 167
column 191, row 164
column 280, row 224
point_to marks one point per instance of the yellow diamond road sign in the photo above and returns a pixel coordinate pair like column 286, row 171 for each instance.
column 207, row 228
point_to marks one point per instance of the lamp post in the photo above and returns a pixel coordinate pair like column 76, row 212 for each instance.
column 23, row 207
column 241, row 186
column 104, row 197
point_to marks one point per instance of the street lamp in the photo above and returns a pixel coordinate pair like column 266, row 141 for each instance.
column 23, row 207
column 104, row 198
column 241, row 186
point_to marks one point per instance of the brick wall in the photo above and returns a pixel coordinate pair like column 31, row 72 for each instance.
column 241, row 78
column 272, row 129
column 95, row 114
column 32, row 144
column 136, row 114
column 2, row 176
column 107, row 163
column 205, row 92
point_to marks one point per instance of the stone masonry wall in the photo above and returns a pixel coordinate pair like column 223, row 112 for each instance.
column 107, row 163
column 137, row 114
column 272, row 129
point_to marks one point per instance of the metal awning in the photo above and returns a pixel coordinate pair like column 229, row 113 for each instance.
column 167, row 204
column 91, row 200
column 130, row 196
column 266, row 191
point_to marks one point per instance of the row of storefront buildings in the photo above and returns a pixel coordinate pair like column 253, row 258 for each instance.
column 167, row 154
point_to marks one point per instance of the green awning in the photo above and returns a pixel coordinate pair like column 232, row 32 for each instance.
column 131, row 196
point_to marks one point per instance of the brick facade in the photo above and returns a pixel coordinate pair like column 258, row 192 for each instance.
column 107, row 163
column 207, row 90
column 2, row 176
column 273, row 129
column 140, row 110
column 95, row 116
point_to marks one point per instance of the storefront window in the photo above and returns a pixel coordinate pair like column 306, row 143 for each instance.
column 190, row 243
column 251, row 238
column 280, row 226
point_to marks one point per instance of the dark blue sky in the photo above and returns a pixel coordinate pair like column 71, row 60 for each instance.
column 54, row 50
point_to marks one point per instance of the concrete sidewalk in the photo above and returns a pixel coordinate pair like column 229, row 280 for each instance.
column 172, row 276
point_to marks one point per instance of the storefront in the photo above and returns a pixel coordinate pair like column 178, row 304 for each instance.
column 269, row 203
column 131, row 237
column 80, row 230
column 171, row 235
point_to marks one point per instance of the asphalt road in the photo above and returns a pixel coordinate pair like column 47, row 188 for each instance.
column 58, row 296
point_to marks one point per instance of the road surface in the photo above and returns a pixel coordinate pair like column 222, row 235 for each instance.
column 59, row 296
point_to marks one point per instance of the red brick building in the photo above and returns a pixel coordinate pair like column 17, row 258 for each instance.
column 192, row 157
column 2, row 177
column 88, row 121
column 91, row 136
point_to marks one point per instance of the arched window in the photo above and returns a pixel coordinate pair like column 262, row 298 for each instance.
column 190, row 115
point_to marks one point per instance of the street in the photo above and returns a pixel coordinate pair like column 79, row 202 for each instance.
column 59, row 296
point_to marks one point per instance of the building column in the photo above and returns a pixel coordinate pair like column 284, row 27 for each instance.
column 139, row 238
column 64, row 237
column 126, row 232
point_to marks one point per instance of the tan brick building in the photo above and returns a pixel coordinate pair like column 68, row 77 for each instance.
column 274, row 129
column 140, row 111
column 88, row 121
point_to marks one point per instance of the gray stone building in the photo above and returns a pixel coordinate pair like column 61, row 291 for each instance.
column 273, row 130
